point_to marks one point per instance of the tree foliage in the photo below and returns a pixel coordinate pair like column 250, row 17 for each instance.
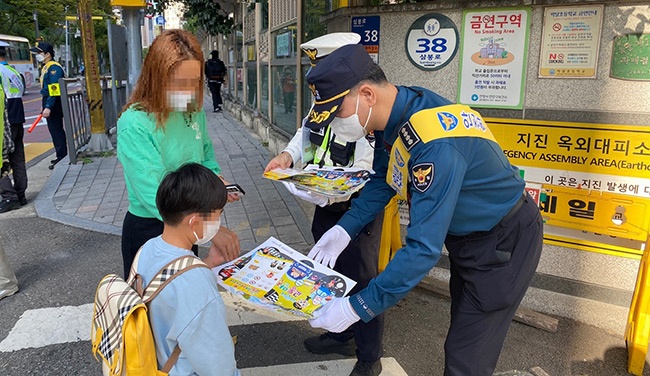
column 208, row 15
column 17, row 18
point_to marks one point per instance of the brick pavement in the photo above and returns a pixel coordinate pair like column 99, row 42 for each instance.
column 93, row 195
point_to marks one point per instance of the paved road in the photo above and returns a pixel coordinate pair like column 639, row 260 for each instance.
column 45, row 328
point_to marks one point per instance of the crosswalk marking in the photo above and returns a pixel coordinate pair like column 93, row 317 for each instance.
column 341, row 367
column 54, row 325
column 49, row 326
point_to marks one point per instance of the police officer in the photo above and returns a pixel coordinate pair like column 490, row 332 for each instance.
column 51, row 92
column 463, row 193
column 13, row 193
column 360, row 259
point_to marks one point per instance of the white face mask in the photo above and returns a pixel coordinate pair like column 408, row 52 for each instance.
column 210, row 229
column 349, row 129
column 40, row 58
column 180, row 100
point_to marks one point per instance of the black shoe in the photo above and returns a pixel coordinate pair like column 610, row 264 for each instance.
column 363, row 368
column 324, row 344
column 8, row 205
column 22, row 200
column 219, row 109
column 54, row 161
column 215, row 110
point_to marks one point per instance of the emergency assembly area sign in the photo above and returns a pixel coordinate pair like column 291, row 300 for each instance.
column 494, row 53
column 570, row 40
column 591, row 181
column 431, row 41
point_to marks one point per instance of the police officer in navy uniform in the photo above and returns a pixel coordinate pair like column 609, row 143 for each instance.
column 360, row 259
column 51, row 72
column 463, row 193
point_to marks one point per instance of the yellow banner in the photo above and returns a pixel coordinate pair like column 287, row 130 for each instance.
column 599, row 212
column 594, row 148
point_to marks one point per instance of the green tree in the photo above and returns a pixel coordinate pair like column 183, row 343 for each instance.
column 207, row 15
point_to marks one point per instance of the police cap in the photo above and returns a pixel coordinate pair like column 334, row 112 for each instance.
column 42, row 47
column 331, row 80
column 322, row 46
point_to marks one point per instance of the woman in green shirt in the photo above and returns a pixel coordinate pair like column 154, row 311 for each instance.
column 163, row 127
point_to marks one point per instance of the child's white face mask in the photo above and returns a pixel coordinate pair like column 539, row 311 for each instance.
column 210, row 229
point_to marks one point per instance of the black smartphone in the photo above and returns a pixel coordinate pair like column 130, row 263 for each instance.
column 235, row 188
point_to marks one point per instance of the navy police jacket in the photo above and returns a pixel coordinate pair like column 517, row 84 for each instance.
column 467, row 185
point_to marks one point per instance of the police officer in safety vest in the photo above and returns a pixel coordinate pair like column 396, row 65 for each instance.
column 320, row 145
column 462, row 191
column 51, row 92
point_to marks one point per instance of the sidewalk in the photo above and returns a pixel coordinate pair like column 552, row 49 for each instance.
column 93, row 195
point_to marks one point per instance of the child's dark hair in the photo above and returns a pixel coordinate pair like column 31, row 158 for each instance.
column 192, row 188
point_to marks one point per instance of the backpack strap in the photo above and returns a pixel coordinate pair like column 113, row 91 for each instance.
column 165, row 275
column 169, row 272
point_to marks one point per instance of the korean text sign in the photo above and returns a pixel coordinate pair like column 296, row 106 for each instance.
column 570, row 40
column 368, row 29
column 494, row 50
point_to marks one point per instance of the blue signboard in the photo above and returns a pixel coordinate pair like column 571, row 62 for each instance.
column 368, row 28
column 160, row 20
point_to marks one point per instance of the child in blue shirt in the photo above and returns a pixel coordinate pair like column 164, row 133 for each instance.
column 189, row 312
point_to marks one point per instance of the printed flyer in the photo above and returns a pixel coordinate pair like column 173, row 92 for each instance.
column 276, row 277
column 327, row 181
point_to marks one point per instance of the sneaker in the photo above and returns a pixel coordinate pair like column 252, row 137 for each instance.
column 9, row 292
column 324, row 344
column 363, row 368
column 219, row 109
column 215, row 110
column 8, row 205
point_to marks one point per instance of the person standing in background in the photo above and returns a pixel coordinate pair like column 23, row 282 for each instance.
column 8, row 282
column 13, row 193
column 215, row 71
column 288, row 89
column 51, row 92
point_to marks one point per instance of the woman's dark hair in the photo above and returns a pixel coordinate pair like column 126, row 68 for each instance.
column 192, row 188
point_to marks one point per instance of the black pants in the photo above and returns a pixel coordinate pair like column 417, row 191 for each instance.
column 358, row 262
column 490, row 273
column 215, row 89
column 55, row 126
column 16, row 190
column 135, row 232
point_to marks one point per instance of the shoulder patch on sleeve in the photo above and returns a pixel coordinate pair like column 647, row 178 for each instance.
column 408, row 135
column 422, row 176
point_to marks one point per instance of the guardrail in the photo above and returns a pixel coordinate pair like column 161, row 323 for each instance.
column 76, row 114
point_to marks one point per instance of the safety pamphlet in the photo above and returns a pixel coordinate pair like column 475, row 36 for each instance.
column 327, row 181
column 276, row 277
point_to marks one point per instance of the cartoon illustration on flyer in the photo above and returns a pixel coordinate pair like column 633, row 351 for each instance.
column 276, row 277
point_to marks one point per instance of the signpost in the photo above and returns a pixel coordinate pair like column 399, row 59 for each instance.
column 368, row 28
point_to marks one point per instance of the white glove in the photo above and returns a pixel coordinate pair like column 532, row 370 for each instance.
column 314, row 198
column 330, row 246
column 336, row 316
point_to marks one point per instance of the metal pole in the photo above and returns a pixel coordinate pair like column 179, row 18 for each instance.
column 258, row 66
column 36, row 23
column 134, row 45
column 111, row 57
column 299, row 77
column 67, row 45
